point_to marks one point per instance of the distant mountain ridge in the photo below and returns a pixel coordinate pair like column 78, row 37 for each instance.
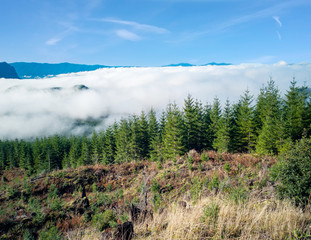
column 40, row 70
column 7, row 71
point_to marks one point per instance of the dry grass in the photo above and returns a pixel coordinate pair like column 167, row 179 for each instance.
column 269, row 219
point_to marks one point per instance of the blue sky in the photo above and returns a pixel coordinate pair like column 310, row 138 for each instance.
column 155, row 32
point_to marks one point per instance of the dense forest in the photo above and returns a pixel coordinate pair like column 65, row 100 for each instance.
column 268, row 124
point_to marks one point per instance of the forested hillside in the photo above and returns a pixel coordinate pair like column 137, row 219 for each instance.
column 268, row 124
column 168, row 175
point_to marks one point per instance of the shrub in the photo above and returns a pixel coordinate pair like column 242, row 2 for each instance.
column 53, row 191
column 50, row 234
column 293, row 171
column 10, row 192
column 238, row 194
column 227, row 167
column 56, row 204
column 204, row 157
column 155, row 187
column 28, row 235
column 196, row 189
column 214, row 183
column 104, row 220
column 157, row 201
column 210, row 213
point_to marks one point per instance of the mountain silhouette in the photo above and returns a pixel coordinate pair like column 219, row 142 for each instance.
column 40, row 70
column 7, row 71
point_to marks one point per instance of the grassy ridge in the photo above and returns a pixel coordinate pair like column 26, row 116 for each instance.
column 196, row 196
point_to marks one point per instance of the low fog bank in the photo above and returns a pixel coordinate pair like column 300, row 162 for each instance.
column 73, row 103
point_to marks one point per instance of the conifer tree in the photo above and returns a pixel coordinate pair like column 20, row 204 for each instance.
column 215, row 115
column 222, row 140
column 85, row 157
column 206, row 127
column 271, row 133
column 193, row 124
column 173, row 136
column 109, row 147
column 2, row 156
column 294, row 111
column 144, row 138
column 245, row 127
column 154, row 135
column 123, row 142
column 95, row 148
column 74, row 152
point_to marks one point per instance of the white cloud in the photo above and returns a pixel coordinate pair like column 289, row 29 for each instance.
column 123, row 33
column 30, row 108
column 53, row 41
column 277, row 19
column 139, row 26
column 279, row 35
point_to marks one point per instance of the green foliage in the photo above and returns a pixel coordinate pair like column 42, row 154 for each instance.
column 196, row 189
column 124, row 217
column 190, row 162
column 210, row 213
column 238, row 194
column 227, row 167
column 50, row 234
column 34, row 207
column 109, row 187
column 157, row 201
column 204, row 157
column 118, row 194
column 214, row 183
column 293, row 171
column 28, row 235
column 173, row 136
column 103, row 199
column 104, row 220
column 53, row 191
column 10, row 192
column 56, row 204
column 222, row 136
column 94, row 187
column 155, row 187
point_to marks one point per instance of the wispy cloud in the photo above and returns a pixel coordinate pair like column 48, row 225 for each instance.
column 59, row 37
column 125, row 34
column 279, row 35
column 277, row 19
column 53, row 41
column 264, row 13
column 136, row 25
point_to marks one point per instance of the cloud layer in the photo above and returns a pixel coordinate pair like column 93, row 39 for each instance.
column 40, row 107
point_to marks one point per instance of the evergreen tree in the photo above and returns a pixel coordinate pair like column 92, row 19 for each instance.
column 271, row 133
column 173, row 136
column 123, row 142
column 215, row 115
column 2, row 156
column 245, row 127
column 144, row 138
column 207, row 130
column 222, row 140
column 95, row 148
column 294, row 111
column 85, row 157
column 109, row 147
column 74, row 152
column 193, row 124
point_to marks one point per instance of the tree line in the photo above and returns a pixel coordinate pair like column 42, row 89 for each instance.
column 268, row 124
